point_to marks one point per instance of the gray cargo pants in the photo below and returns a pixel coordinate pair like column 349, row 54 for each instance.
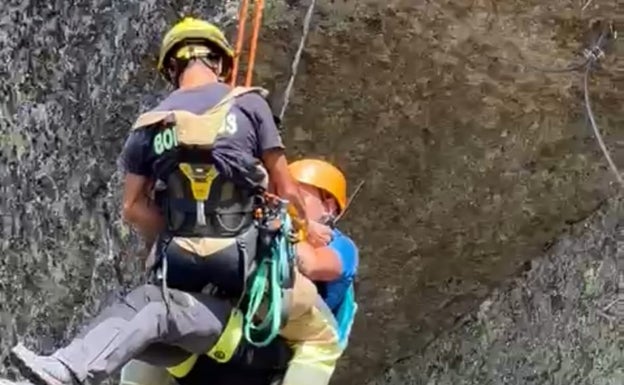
column 140, row 326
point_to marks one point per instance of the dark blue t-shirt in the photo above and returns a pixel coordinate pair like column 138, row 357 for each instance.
column 251, row 130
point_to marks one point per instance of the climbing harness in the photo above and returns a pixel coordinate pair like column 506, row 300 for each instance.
column 191, row 194
column 273, row 274
column 266, row 287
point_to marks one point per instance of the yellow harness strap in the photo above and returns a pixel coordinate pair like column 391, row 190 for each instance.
column 225, row 347
column 183, row 368
column 222, row 351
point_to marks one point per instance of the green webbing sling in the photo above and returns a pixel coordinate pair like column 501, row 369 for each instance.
column 273, row 270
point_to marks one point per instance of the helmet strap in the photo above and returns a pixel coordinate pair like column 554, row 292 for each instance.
column 328, row 220
column 215, row 65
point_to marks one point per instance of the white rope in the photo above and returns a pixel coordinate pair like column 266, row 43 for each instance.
column 594, row 126
column 295, row 64
column 593, row 54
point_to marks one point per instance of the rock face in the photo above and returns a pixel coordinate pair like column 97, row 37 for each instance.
column 558, row 323
column 75, row 76
column 475, row 161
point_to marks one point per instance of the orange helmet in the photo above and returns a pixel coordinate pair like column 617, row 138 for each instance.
column 322, row 175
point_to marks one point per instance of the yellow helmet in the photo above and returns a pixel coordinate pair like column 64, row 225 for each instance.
column 322, row 175
column 195, row 31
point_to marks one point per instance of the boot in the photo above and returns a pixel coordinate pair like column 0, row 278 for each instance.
column 41, row 370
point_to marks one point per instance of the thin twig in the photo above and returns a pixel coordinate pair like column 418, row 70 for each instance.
column 586, row 5
column 295, row 63
column 606, row 316
column 606, row 308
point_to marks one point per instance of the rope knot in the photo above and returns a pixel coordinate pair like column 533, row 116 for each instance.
column 593, row 54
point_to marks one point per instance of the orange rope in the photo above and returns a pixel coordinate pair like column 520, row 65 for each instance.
column 258, row 8
column 242, row 19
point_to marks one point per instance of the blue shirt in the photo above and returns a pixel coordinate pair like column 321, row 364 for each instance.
column 333, row 292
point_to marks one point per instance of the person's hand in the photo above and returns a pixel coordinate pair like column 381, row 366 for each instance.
column 318, row 235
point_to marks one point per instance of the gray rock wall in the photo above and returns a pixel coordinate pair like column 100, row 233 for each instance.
column 560, row 322
column 74, row 76
column 475, row 158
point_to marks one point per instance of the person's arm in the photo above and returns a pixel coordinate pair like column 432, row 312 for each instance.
column 271, row 150
column 338, row 260
column 139, row 210
column 318, row 264
column 137, row 207
column 285, row 186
